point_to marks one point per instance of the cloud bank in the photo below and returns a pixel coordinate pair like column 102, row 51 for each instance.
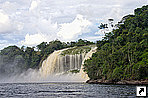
column 33, row 39
column 22, row 21
column 70, row 31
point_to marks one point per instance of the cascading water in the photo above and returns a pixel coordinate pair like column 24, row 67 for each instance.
column 88, row 55
column 59, row 64
column 49, row 65
column 56, row 63
column 58, row 68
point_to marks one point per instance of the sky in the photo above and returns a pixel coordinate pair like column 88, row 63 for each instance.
column 30, row 22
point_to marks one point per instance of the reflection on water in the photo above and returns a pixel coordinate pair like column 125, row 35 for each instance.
column 64, row 90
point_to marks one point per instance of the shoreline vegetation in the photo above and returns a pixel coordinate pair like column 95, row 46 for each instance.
column 122, row 82
column 122, row 55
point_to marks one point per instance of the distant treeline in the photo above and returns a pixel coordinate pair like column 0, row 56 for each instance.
column 13, row 57
column 123, row 53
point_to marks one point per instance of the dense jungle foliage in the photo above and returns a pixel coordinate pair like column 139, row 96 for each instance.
column 123, row 53
column 14, row 57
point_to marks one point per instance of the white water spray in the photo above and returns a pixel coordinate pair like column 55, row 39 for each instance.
column 56, row 68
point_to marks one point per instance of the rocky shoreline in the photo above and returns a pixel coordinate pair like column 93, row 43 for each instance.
column 122, row 82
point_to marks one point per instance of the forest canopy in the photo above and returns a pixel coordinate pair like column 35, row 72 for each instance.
column 122, row 54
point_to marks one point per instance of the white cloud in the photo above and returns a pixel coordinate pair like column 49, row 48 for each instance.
column 31, row 40
column 94, row 38
column 40, row 29
column 56, row 18
column 69, row 31
column 4, row 18
column 5, row 24
column 34, row 5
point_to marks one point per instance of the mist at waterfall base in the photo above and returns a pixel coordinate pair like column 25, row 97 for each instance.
column 54, row 69
column 34, row 76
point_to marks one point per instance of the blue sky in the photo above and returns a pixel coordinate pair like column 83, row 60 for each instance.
column 29, row 22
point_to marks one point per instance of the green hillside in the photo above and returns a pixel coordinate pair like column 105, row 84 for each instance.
column 123, row 53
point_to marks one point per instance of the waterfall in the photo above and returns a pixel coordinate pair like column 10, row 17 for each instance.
column 58, row 64
column 87, row 56
column 52, row 64
column 58, row 67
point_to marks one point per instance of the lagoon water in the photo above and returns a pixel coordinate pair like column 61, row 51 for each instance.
column 65, row 90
